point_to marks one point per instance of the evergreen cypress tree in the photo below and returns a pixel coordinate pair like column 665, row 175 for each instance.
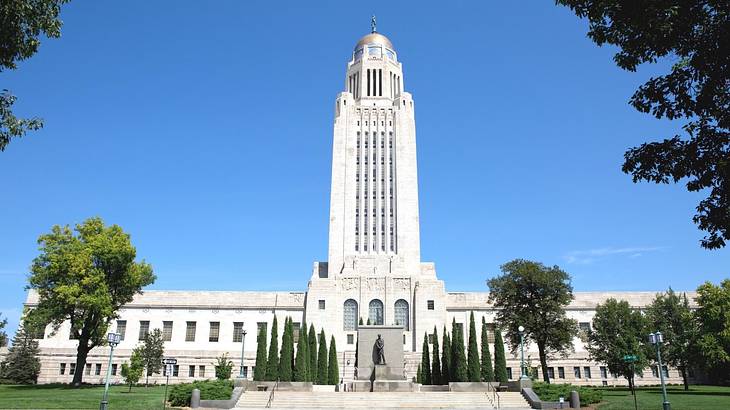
column 22, row 365
column 426, row 361
column 446, row 359
column 301, row 364
column 473, row 371
column 286, row 354
column 259, row 372
column 333, row 369
column 436, row 362
column 272, row 362
column 500, row 362
column 322, row 359
column 487, row 372
column 312, row 339
column 369, row 322
column 360, row 323
column 419, row 375
column 458, row 358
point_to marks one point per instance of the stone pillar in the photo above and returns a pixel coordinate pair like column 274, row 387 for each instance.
column 574, row 400
column 195, row 399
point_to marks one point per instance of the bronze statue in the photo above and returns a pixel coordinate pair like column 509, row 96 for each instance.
column 380, row 345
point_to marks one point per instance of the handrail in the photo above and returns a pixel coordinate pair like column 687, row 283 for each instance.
column 495, row 395
column 271, row 395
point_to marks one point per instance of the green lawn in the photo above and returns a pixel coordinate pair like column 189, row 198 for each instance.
column 55, row 396
column 650, row 398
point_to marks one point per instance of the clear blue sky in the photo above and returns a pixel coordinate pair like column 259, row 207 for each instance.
column 205, row 132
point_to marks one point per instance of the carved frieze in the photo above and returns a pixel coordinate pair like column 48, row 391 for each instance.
column 401, row 283
column 349, row 284
column 375, row 284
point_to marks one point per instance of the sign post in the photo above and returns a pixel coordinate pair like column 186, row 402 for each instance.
column 169, row 363
column 630, row 358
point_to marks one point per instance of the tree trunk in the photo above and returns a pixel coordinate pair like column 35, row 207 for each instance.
column 146, row 377
column 130, row 388
column 684, row 377
column 81, row 352
column 543, row 362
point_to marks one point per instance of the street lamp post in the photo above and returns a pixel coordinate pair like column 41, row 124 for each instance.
column 243, row 343
column 657, row 339
column 113, row 339
column 523, row 373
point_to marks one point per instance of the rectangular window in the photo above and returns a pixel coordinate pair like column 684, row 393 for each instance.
column 509, row 373
column 175, row 370
column 97, row 371
column 561, row 372
column 654, row 371
column 551, row 373
column 459, row 328
column 190, row 331
column 604, row 372
column 214, row 331
column 191, row 371
column 167, row 331
column 576, row 372
column 201, row 371
column 72, row 368
column 350, row 339
column 321, row 304
column 144, row 328
column 490, row 332
column 665, row 370
column 245, row 372
column 404, row 339
column 430, row 338
column 262, row 326
column 114, row 369
column 584, row 326
column 587, row 372
column 295, row 331
column 430, row 304
column 63, row 368
column 237, row 329
column 121, row 328
column 88, row 369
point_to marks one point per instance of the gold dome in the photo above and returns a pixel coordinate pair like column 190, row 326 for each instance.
column 374, row 38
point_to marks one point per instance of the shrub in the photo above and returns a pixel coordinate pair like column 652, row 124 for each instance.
column 552, row 392
column 180, row 394
column 223, row 367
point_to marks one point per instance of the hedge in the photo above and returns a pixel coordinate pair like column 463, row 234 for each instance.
column 552, row 392
column 180, row 394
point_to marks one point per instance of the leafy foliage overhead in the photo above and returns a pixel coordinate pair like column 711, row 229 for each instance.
column 695, row 35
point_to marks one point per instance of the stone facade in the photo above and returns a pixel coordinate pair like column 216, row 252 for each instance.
column 374, row 270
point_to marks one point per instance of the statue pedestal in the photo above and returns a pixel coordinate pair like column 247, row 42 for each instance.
column 381, row 372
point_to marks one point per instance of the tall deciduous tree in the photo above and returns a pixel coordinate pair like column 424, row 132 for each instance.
column 533, row 295
column 473, row 368
column 22, row 24
column 259, row 373
column 3, row 335
column 272, row 362
column 223, row 367
column 670, row 314
column 436, row 360
column 693, row 36
column 22, row 365
column 132, row 371
column 322, row 359
column 152, row 351
column 313, row 369
column 713, row 322
column 486, row 368
column 333, row 369
column 85, row 278
column 500, row 361
column 458, row 357
column 446, row 359
column 426, row 361
column 618, row 331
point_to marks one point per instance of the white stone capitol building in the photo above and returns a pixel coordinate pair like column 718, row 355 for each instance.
column 374, row 269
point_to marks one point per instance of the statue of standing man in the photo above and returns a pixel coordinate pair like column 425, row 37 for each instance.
column 380, row 346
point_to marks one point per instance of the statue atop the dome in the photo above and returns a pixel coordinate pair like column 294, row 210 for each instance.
column 372, row 24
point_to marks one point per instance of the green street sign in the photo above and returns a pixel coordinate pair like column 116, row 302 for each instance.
column 630, row 358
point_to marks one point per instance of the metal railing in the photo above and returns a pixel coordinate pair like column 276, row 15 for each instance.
column 271, row 395
column 494, row 399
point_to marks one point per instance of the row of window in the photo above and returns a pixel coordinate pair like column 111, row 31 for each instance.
column 375, row 313
column 190, row 330
column 95, row 369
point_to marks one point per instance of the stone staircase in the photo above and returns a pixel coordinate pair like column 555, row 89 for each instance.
column 381, row 400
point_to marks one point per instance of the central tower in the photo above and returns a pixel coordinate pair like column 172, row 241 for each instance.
column 374, row 271
column 374, row 224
